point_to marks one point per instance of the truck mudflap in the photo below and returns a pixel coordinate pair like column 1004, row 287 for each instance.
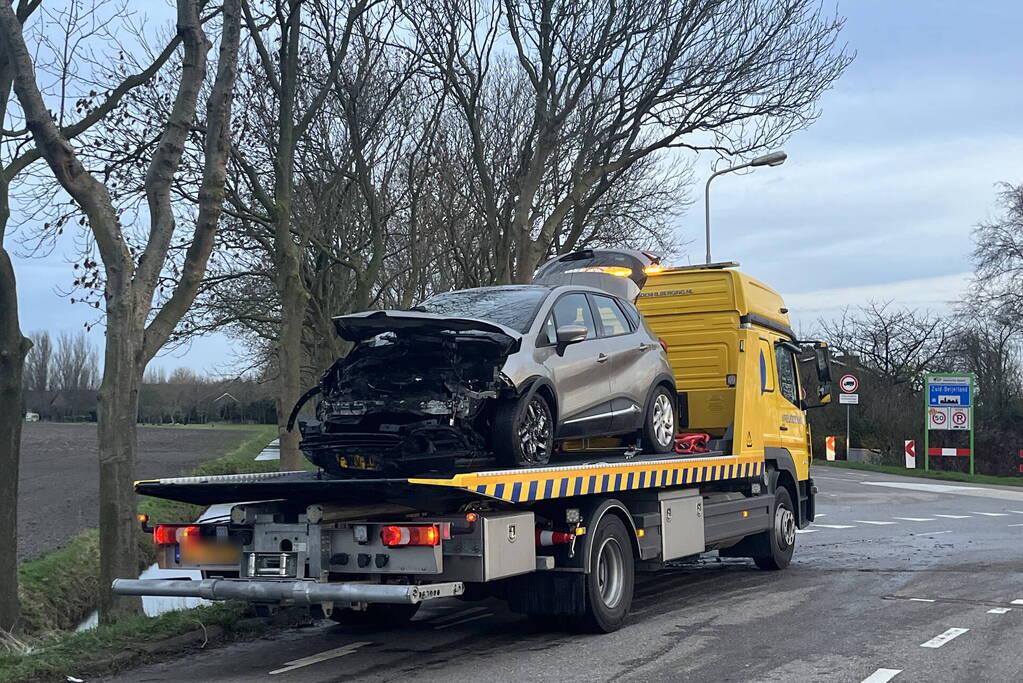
column 297, row 592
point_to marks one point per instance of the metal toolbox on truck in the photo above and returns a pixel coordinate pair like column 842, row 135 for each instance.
column 499, row 545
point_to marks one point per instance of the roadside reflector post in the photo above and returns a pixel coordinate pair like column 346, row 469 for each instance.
column 829, row 447
column 910, row 455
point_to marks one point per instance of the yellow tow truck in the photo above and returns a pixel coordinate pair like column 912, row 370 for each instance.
column 563, row 540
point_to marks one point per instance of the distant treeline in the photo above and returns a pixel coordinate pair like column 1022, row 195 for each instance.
column 61, row 382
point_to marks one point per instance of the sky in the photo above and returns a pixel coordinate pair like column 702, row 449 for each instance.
column 878, row 197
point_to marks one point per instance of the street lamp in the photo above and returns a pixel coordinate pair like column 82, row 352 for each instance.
column 772, row 159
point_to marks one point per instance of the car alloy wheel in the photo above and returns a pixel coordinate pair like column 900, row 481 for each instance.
column 663, row 420
column 535, row 432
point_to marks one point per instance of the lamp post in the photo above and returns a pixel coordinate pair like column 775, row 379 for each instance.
column 772, row 159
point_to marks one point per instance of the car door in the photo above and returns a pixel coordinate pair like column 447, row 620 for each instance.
column 634, row 365
column 580, row 371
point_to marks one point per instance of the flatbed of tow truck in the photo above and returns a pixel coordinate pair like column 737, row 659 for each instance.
column 584, row 477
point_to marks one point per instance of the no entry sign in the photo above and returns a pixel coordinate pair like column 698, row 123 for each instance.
column 849, row 384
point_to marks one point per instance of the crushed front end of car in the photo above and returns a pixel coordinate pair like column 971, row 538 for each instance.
column 414, row 395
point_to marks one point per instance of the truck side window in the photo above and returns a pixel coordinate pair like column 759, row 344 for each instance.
column 786, row 374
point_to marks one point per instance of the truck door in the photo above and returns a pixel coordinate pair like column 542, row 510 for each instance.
column 791, row 421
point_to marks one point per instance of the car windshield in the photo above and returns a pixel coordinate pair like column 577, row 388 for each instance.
column 513, row 307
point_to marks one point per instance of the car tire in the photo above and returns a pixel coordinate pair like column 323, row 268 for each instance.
column 660, row 425
column 611, row 581
column 524, row 431
column 776, row 545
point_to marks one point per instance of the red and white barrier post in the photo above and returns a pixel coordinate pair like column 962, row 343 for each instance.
column 911, row 455
column 829, row 447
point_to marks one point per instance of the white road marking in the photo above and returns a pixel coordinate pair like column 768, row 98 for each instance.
column 976, row 491
column 867, row 521
column 462, row 621
column 921, row 600
column 999, row 610
column 935, row 533
column 882, row 676
column 1016, row 602
column 915, row 519
column 835, row 526
column 1016, row 525
column 953, row 516
column 939, row 640
column 824, row 514
column 806, row 531
column 322, row 657
column 460, row 615
column 992, row 514
column 1018, row 512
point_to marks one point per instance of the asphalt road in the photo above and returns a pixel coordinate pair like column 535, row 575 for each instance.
column 899, row 579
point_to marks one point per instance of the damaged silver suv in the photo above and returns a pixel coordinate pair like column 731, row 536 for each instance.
column 495, row 375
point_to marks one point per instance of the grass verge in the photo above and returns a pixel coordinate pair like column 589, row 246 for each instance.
column 922, row 474
column 107, row 649
column 58, row 589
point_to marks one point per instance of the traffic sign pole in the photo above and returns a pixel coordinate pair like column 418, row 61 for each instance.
column 972, row 454
column 927, row 428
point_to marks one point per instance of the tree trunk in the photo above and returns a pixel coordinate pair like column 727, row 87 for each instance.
column 289, row 358
column 118, row 400
column 13, row 347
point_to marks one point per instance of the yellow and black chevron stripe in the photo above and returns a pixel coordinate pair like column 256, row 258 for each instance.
column 545, row 483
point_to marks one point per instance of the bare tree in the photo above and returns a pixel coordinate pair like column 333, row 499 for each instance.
column 607, row 85
column 998, row 256
column 135, row 332
column 39, row 363
column 899, row 344
column 75, row 364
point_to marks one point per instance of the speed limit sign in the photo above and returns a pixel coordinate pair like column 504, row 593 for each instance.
column 849, row 384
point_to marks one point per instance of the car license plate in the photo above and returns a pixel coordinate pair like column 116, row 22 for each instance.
column 211, row 553
column 356, row 462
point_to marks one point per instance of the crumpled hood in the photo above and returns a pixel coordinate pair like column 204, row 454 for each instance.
column 361, row 326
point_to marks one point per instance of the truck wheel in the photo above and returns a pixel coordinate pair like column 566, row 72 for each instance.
column 524, row 432
column 659, row 426
column 377, row 615
column 610, row 583
column 778, row 542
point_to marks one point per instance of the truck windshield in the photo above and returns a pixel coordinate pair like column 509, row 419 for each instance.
column 513, row 307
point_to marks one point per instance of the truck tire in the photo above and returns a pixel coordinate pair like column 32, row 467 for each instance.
column 610, row 583
column 377, row 615
column 660, row 425
column 524, row 431
column 776, row 545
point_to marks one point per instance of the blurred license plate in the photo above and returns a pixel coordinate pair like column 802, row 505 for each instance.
column 356, row 462
column 211, row 553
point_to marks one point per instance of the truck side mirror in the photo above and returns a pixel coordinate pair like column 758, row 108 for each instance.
column 823, row 359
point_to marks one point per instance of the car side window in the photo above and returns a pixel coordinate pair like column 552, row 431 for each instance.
column 610, row 317
column 786, row 374
column 573, row 309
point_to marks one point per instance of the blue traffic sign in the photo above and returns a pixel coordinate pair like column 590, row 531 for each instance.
column 948, row 395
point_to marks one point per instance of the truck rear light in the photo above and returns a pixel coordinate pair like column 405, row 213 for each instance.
column 173, row 534
column 165, row 534
column 393, row 536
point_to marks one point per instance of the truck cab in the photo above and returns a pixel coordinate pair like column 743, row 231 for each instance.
column 736, row 363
